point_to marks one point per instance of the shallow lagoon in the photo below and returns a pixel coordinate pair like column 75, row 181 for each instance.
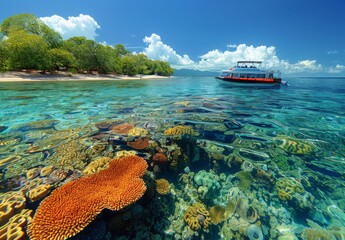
column 263, row 162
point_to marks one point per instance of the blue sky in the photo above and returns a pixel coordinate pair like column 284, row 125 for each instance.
column 296, row 36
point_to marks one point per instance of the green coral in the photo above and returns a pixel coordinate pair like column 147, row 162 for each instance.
column 40, row 124
column 317, row 234
column 245, row 180
column 282, row 163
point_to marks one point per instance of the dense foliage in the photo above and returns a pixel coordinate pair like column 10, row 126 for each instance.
column 27, row 43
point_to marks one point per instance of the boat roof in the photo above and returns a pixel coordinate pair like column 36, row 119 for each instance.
column 248, row 70
column 238, row 62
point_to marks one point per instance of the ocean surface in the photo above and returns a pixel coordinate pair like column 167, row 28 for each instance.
column 261, row 163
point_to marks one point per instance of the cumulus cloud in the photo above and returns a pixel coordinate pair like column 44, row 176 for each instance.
column 157, row 50
column 337, row 69
column 82, row 25
column 216, row 60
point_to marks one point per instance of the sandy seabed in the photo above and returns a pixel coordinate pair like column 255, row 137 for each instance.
column 30, row 77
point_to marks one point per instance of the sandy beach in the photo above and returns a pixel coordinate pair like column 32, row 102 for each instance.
column 63, row 76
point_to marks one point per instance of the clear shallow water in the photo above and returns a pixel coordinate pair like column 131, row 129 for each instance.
column 289, row 140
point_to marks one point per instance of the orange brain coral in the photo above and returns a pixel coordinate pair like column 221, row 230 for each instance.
column 73, row 206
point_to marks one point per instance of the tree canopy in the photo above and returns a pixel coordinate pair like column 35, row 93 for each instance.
column 26, row 42
column 32, row 25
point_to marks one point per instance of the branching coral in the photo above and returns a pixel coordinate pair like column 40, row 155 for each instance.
column 73, row 206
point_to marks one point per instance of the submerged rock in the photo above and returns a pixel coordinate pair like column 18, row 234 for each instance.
column 3, row 128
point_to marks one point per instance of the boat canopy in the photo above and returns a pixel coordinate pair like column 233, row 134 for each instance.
column 239, row 62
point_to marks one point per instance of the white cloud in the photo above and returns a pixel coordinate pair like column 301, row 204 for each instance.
column 231, row 46
column 157, row 50
column 332, row 52
column 82, row 25
column 216, row 60
column 337, row 69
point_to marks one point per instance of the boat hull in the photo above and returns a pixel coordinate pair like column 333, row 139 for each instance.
column 250, row 82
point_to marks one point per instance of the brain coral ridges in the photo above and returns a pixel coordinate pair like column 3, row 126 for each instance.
column 73, row 206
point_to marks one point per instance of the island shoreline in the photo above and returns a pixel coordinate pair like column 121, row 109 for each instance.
column 17, row 76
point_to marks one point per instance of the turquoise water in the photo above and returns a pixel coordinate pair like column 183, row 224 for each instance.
column 280, row 151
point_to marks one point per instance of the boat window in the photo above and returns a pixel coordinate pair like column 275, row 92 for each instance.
column 270, row 75
column 260, row 76
column 223, row 74
column 243, row 75
column 251, row 75
column 235, row 75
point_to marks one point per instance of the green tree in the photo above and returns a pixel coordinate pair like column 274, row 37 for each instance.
column 26, row 51
column 31, row 24
column 162, row 68
column 84, row 51
column 141, row 63
column 120, row 50
column 4, row 63
column 106, row 59
column 60, row 58
column 128, row 65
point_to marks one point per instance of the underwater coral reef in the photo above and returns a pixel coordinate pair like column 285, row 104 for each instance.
column 197, row 166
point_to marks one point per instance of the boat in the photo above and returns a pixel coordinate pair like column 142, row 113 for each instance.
column 246, row 73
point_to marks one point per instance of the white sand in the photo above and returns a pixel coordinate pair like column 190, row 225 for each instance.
column 33, row 77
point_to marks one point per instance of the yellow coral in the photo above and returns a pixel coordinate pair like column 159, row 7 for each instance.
column 197, row 217
column 125, row 153
column 14, row 228
column 11, row 203
column 162, row 186
column 32, row 173
column 97, row 165
column 179, row 130
column 295, row 146
column 138, row 132
column 183, row 103
column 290, row 185
column 45, row 171
column 69, row 155
column 6, row 212
column 10, row 159
column 284, row 196
column 39, row 192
